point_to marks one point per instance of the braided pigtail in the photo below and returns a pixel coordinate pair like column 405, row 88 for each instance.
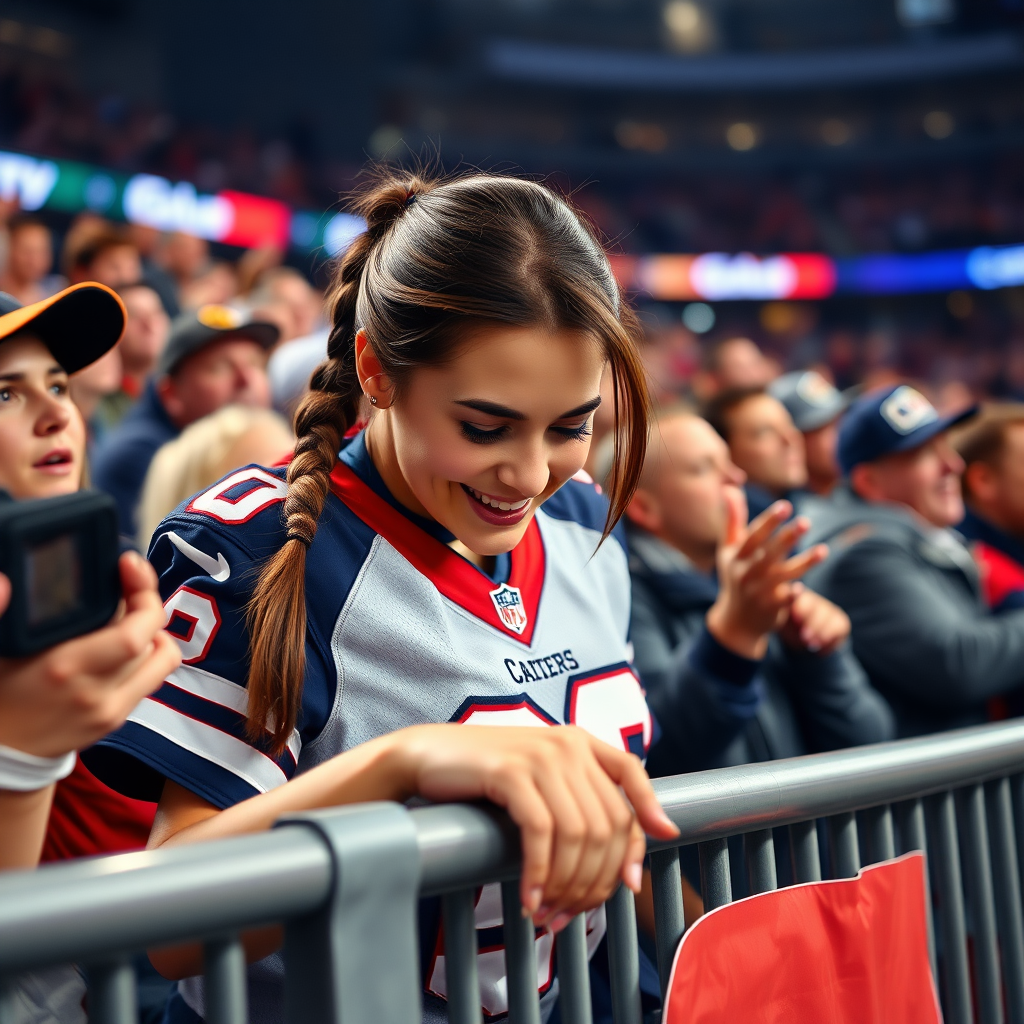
column 276, row 613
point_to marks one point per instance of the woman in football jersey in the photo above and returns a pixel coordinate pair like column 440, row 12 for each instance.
column 445, row 567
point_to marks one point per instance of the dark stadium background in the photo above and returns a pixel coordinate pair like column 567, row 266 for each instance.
column 680, row 127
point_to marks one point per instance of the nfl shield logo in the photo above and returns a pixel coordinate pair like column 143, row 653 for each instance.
column 508, row 603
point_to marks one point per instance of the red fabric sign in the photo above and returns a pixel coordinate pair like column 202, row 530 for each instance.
column 850, row 951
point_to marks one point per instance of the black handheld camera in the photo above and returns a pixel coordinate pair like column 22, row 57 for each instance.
column 60, row 555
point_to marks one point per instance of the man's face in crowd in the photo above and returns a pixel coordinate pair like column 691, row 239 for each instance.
column 30, row 256
column 766, row 446
column 739, row 363
column 231, row 371
column 115, row 266
column 682, row 495
column 820, row 448
column 998, row 489
column 926, row 479
column 145, row 332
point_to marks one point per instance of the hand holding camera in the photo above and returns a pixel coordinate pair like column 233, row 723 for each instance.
column 78, row 691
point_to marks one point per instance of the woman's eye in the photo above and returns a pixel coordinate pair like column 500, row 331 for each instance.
column 5, row 394
column 478, row 435
column 574, row 433
column 59, row 389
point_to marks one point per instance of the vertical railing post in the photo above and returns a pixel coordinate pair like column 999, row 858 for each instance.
column 460, row 952
column 914, row 836
column 842, row 836
column 669, row 923
column 224, row 982
column 356, row 960
column 715, row 881
column 951, row 909
column 112, row 997
column 759, row 853
column 803, row 847
column 623, row 957
column 1006, row 879
column 520, row 957
column 574, row 973
column 988, row 986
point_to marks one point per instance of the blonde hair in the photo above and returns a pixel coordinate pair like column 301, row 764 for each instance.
column 200, row 456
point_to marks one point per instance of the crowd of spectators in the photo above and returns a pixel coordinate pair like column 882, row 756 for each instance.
column 872, row 209
column 805, row 573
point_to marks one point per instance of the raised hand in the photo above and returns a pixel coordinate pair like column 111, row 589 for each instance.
column 814, row 624
column 756, row 575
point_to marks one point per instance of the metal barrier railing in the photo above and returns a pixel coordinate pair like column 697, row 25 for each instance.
column 346, row 882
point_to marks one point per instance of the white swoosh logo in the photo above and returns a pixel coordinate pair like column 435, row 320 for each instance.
column 217, row 567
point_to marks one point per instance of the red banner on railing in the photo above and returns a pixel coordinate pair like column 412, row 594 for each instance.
column 850, row 951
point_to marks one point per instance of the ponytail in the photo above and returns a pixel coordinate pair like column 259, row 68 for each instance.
column 276, row 614
column 434, row 259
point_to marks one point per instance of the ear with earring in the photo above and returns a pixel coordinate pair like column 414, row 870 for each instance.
column 372, row 398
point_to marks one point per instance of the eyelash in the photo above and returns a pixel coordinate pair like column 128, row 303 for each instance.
column 478, row 436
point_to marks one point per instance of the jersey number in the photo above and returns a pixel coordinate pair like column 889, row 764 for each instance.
column 239, row 497
column 192, row 619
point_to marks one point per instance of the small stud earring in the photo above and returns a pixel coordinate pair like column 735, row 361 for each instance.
column 373, row 400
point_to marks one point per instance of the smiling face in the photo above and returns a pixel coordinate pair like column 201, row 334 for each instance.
column 42, row 436
column 478, row 443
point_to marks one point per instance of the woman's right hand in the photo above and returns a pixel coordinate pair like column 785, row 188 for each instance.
column 71, row 695
column 755, row 574
column 582, row 806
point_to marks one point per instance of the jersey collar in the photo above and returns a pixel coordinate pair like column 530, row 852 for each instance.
column 503, row 607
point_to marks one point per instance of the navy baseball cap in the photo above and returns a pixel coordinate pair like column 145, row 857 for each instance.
column 890, row 420
column 194, row 331
column 810, row 400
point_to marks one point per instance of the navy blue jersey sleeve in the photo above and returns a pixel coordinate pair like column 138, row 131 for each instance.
column 581, row 501
column 193, row 729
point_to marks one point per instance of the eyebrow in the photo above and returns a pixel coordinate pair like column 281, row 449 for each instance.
column 15, row 377
column 494, row 409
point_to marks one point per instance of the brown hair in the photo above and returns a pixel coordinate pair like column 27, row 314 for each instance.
column 437, row 258
column 984, row 437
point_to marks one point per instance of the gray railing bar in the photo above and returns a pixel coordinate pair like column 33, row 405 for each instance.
column 880, row 837
column 100, row 906
column 715, row 881
column 574, row 972
column 667, row 884
column 759, row 854
column 951, row 910
column 520, row 958
column 224, row 982
column 112, row 993
column 460, row 952
column 623, row 957
column 730, row 801
column 913, row 836
column 982, row 903
column 842, row 837
column 368, row 920
column 803, row 851
column 1006, row 879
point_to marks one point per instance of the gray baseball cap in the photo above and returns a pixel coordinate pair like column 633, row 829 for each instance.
column 811, row 400
column 194, row 331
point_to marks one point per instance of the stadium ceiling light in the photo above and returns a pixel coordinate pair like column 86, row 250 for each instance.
column 938, row 124
column 690, row 28
column 835, row 132
column 741, row 136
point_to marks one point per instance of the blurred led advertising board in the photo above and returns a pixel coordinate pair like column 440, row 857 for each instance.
column 250, row 221
column 234, row 218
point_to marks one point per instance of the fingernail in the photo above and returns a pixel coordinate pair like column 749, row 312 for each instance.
column 634, row 875
column 668, row 821
column 530, row 907
column 558, row 922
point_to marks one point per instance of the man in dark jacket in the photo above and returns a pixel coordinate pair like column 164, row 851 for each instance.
column 740, row 664
column 908, row 583
column 213, row 358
